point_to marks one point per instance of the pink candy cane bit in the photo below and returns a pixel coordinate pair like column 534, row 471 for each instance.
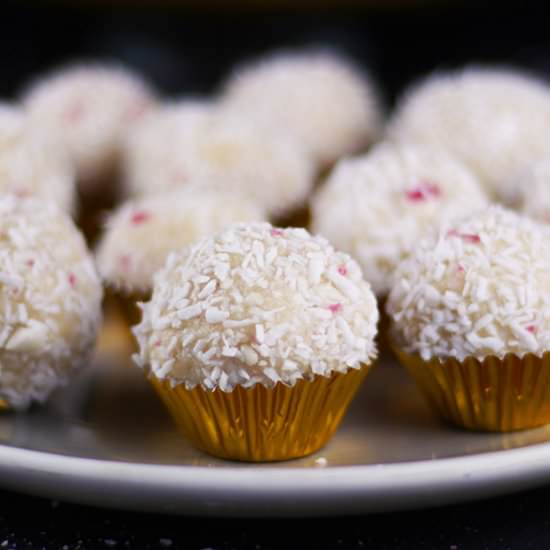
column 423, row 191
column 140, row 217
column 468, row 237
column 532, row 329
column 72, row 280
column 335, row 308
column 343, row 270
column 276, row 232
column 471, row 238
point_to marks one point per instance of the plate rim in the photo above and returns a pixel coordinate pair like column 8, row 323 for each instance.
column 266, row 491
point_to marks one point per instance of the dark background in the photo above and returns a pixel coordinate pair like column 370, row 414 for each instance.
column 184, row 50
column 187, row 50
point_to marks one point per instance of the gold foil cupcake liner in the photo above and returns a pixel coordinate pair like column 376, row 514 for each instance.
column 261, row 424
column 499, row 395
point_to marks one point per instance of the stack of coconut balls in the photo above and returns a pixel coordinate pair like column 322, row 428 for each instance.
column 254, row 332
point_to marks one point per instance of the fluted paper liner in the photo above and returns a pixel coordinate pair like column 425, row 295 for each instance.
column 261, row 424
column 499, row 395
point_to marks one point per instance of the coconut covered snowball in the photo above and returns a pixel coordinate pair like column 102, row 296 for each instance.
column 90, row 106
column 476, row 287
column 154, row 152
column 221, row 149
column 321, row 98
column 32, row 162
column 376, row 207
column 257, row 305
column 50, row 300
column 533, row 186
column 141, row 233
column 496, row 121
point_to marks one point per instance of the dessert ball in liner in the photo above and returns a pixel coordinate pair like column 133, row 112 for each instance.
column 141, row 233
column 91, row 106
column 257, row 340
column 471, row 321
column 34, row 163
column 50, row 300
column 327, row 104
column 376, row 206
column 193, row 143
column 494, row 120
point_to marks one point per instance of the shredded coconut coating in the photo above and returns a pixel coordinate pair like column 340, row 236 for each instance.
column 141, row 233
column 194, row 144
column 478, row 287
column 496, row 121
column 50, row 300
column 32, row 162
column 533, row 187
column 377, row 206
column 153, row 155
column 90, row 106
column 257, row 305
column 328, row 104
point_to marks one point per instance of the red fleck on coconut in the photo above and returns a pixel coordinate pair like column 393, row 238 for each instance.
column 471, row 238
column 335, row 308
column 423, row 191
column 276, row 232
column 343, row 270
column 468, row 237
column 141, row 216
column 72, row 280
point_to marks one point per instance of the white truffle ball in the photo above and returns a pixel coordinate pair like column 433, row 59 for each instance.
column 477, row 287
column 154, row 151
column 90, row 106
column 257, row 305
column 32, row 162
column 50, row 300
column 496, row 121
column 533, row 188
column 377, row 206
column 326, row 103
column 141, row 233
column 194, row 144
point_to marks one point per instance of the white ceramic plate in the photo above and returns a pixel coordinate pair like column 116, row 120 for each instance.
column 106, row 440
